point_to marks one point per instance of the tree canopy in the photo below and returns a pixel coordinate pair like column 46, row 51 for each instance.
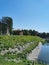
column 9, row 22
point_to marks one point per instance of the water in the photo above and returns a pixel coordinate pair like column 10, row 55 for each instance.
column 44, row 54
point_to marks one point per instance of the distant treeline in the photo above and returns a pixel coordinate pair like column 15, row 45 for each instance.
column 30, row 32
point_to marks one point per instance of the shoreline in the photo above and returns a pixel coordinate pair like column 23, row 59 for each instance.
column 34, row 54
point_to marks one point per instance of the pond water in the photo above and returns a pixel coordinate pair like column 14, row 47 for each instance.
column 44, row 54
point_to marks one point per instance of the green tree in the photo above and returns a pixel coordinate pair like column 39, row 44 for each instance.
column 30, row 32
column 35, row 33
column 9, row 22
column 43, row 35
column 25, row 32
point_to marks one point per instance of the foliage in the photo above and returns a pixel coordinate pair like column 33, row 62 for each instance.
column 31, row 32
column 9, row 22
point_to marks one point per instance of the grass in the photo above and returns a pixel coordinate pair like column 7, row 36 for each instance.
column 12, row 41
column 24, row 62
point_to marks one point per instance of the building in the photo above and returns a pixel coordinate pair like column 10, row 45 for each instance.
column 3, row 27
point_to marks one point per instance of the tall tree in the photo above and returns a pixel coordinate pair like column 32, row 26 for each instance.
column 9, row 22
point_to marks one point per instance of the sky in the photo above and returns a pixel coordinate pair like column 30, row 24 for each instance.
column 27, row 14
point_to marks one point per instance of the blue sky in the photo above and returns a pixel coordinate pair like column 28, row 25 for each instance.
column 27, row 14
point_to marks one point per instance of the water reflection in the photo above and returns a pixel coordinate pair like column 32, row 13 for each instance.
column 44, row 54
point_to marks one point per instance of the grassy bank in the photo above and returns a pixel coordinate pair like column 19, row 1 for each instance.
column 24, row 62
column 12, row 42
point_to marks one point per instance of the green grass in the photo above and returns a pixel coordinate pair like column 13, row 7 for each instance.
column 24, row 62
column 12, row 41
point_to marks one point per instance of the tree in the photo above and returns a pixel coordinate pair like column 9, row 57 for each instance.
column 30, row 32
column 47, row 35
column 9, row 22
column 25, row 32
column 35, row 33
column 43, row 35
